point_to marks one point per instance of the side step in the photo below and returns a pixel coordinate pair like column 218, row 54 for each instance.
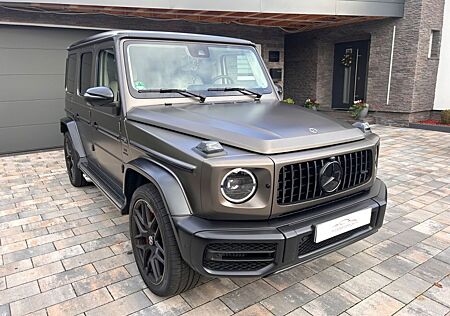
column 112, row 191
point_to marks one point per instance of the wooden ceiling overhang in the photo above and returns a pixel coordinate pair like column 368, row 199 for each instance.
column 292, row 22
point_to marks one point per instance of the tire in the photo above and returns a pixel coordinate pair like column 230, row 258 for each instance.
column 71, row 156
column 154, row 245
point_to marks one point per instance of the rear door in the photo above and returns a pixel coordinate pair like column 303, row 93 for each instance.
column 80, row 109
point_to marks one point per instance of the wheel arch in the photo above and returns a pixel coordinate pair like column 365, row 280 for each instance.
column 142, row 171
column 68, row 125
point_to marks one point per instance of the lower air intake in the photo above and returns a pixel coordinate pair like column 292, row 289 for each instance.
column 238, row 257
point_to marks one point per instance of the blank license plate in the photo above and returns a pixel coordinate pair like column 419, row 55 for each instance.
column 340, row 225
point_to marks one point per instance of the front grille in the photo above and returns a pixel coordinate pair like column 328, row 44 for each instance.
column 307, row 244
column 300, row 182
column 239, row 257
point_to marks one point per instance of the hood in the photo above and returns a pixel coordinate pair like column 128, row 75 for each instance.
column 265, row 127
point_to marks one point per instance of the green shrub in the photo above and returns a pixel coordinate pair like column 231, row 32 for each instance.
column 289, row 101
column 445, row 117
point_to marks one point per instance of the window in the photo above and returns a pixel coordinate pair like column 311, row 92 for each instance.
column 274, row 56
column 85, row 72
column 107, row 71
column 435, row 43
column 71, row 67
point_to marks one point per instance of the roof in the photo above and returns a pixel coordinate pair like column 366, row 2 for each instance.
column 387, row 8
column 173, row 36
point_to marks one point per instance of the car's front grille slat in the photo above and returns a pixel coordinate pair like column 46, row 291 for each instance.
column 307, row 180
column 300, row 182
column 292, row 183
column 284, row 183
column 345, row 171
column 315, row 177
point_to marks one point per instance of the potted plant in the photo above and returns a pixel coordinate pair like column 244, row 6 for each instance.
column 359, row 109
column 312, row 104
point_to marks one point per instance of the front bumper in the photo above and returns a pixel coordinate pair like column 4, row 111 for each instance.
column 259, row 248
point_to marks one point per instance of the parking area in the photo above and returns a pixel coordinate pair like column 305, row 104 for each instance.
column 66, row 251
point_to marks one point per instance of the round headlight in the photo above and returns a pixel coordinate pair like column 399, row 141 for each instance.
column 238, row 185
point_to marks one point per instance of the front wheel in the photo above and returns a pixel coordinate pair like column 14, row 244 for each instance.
column 154, row 245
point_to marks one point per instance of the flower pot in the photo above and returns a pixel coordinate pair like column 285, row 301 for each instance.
column 314, row 108
column 363, row 113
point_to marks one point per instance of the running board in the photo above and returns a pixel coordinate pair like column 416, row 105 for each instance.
column 111, row 191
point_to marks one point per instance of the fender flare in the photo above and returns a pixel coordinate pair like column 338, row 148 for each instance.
column 68, row 125
column 167, row 183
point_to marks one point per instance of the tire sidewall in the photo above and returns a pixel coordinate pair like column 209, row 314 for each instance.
column 68, row 143
column 166, row 282
column 76, row 176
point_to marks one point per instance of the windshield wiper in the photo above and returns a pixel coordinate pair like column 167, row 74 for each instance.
column 244, row 91
column 183, row 92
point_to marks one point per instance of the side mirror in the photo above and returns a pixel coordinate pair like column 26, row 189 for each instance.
column 99, row 96
column 279, row 89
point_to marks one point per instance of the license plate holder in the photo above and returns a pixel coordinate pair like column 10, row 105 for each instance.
column 342, row 224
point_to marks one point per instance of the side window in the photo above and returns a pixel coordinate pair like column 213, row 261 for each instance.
column 107, row 71
column 85, row 72
column 71, row 64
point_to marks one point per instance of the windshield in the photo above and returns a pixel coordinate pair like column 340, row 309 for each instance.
column 194, row 67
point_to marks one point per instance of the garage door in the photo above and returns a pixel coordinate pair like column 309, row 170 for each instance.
column 32, row 65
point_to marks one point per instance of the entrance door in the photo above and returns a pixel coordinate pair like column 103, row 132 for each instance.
column 350, row 73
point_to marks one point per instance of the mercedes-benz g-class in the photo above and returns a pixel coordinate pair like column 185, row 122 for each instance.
column 187, row 133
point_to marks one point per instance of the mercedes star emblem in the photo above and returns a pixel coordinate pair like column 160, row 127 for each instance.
column 330, row 176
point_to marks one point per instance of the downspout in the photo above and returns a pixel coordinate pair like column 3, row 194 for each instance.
column 390, row 66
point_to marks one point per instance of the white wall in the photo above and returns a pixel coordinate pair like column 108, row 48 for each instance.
column 442, row 96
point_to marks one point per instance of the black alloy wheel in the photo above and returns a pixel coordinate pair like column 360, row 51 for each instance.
column 148, row 241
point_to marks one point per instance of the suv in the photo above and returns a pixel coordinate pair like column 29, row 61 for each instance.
column 187, row 134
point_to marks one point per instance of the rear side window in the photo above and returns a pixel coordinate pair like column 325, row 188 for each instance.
column 71, row 64
column 85, row 72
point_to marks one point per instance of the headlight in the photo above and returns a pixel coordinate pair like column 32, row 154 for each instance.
column 238, row 185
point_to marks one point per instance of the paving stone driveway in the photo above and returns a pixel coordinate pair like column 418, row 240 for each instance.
column 66, row 251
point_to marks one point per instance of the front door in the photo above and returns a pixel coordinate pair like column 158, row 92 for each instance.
column 350, row 73
column 106, row 119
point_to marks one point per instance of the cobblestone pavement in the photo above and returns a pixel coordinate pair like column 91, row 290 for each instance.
column 66, row 251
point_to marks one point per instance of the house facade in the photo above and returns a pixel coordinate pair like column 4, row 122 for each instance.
column 387, row 53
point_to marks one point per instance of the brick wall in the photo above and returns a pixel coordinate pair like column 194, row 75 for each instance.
column 426, row 69
column 301, row 69
column 413, row 74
